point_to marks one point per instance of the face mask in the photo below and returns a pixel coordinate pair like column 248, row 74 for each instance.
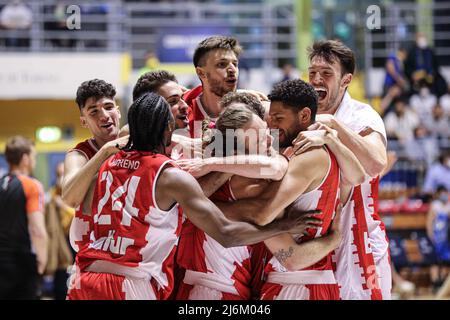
column 424, row 92
column 443, row 198
column 422, row 43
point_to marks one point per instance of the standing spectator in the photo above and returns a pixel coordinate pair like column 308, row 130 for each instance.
column 423, row 102
column 401, row 123
column 58, row 219
column 23, row 238
column 437, row 231
column 438, row 174
column 16, row 17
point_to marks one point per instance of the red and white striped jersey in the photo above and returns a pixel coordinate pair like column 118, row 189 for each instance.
column 81, row 226
column 196, row 112
column 228, row 268
column 364, row 240
column 130, row 231
column 325, row 198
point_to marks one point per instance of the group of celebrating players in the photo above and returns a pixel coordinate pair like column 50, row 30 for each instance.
column 161, row 214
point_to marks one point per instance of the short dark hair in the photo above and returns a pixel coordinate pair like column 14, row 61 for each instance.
column 214, row 43
column 246, row 98
column 151, row 82
column 148, row 118
column 441, row 188
column 296, row 94
column 95, row 88
column 331, row 51
column 16, row 148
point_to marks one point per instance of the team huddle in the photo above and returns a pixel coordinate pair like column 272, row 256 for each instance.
column 216, row 193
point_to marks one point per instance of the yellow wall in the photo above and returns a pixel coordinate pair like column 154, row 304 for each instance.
column 23, row 117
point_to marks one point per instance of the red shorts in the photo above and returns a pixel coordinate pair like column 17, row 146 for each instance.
column 198, row 292
column 272, row 291
column 106, row 286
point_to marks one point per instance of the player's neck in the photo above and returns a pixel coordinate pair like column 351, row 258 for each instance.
column 339, row 101
column 99, row 142
column 18, row 170
column 210, row 103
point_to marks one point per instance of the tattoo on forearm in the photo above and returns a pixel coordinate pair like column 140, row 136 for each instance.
column 282, row 255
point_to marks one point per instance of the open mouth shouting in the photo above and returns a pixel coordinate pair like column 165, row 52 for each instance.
column 182, row 118
column 231, row 81
column 322, row 92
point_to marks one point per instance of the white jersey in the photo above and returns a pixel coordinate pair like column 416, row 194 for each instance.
column 364, row 242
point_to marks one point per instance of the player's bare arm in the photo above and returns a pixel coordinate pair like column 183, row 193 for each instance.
column 175, row 185
column 369, row 148
column 302, row 175
column 80, row 172
column 39, row 238
column 352, row 171
column 294, row 256
column 212, row 182
column 249, row 166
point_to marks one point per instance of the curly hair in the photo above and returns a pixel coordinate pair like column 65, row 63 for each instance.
column 151, row 82
column 332, row 50
column 148, row 118
column 296, row 94
column 214, row 43
column 246, row 98
column 94, row 89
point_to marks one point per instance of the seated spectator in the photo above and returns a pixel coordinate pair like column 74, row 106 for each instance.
column 445, row 102
column 59, row 14
column 395, row 83
column 395, row 75
column 401, row 123
column 422, row 66
column 423, row 102
column 16, row 17
column 438, row 174
column 437, row 123
column 437, row 231
column 423, row 147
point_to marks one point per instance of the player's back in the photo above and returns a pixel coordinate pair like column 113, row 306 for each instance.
column 131, row 234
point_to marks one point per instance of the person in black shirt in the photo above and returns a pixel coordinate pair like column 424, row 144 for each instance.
column 23, row 238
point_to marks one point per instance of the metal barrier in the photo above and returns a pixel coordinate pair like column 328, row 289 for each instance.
column 267, row 30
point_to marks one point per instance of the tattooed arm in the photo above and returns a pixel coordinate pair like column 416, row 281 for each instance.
column 295, row 256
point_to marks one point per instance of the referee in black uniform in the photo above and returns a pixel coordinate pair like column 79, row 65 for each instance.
column 23, row 238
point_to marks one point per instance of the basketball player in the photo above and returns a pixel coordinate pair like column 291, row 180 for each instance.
column 215, row 272
column 137, row 215
column 312, row 182
column 216, row 61
column 101, row 115
column 362, row 260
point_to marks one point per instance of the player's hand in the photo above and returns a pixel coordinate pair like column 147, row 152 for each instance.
column 326, row 119
column 298, row 222
column 112, row 147
column 197, row 167
column 307, row 140
column 41, row 267
column 261, row 96
column 335, row 229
